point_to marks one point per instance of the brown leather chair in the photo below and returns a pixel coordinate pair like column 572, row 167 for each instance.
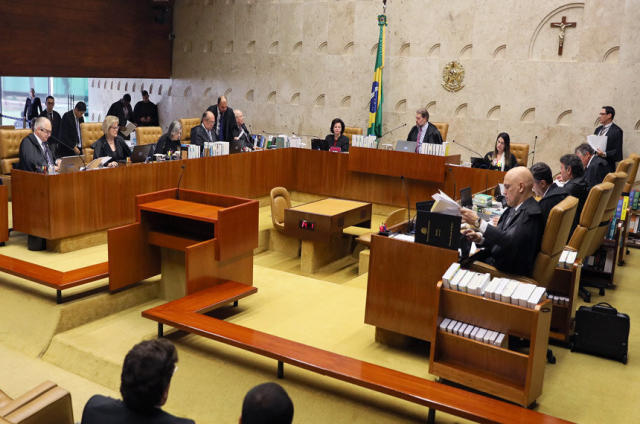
column 280, row 200
column 443, row 127
column 10, row 147
column 624, row 166
column 521, row 152
column 148, row 135
column 47, row 403
column 349, row 131
column 394, row 218
column 187, row 124
column 7, row 127
column 590, row 218
column 90, row 132
column 633, row 172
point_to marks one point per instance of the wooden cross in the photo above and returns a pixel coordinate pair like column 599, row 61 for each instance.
column 563, row 25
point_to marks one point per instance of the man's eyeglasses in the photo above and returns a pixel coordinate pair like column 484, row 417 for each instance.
column 46, row 131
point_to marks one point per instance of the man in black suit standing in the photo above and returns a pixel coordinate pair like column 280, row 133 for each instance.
column 513, row 244
column 613, row 132
column 549, row 192
column 70, row 133
column 146, row 112
column 241, row 132
column 595, row 168
column 422, row 131
column 32, row 107
column 225, row 119
column 204, row 132
column 122, row 110
column 53, row 116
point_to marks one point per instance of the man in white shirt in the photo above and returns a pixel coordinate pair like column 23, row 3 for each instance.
column 35, row 154
column 613, row 132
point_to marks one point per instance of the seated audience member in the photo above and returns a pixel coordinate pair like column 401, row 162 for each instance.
column 549, row 192
column 337, row 139
column 501, row 158
column 241, row 132
column 111, row 144
column 203, row 133
column 422, row 132
column 595, row 168
column 70, row 135
column 513, row 244
column 144, row 385
column 267, row 403
column 146, row 112
column 170, row 141
column 572, row 178
column 34, row 154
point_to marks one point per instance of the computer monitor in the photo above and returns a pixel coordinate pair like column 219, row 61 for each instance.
column 406, row 146
column 317, row 144
column 141, row 152
column 70, row 164
column 465, row 197
column 480, row 163
column 235, row 146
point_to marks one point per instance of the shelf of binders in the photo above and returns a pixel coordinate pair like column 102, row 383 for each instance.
column 507, row 374
column 565, row 283
column 633, row 230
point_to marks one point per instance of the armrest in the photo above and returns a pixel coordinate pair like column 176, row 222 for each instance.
column 478, row 266
column 4, row 399
column 26, row 398
column 53, row 406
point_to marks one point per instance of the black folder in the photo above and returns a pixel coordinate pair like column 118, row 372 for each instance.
column 437, row 229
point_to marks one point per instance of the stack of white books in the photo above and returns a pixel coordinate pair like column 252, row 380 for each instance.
column 193, row 151
column 558, row 300
column 434, row 149
column 567, row 259
column 220, row 148
column 368, row 141
column 483, row 335
column 294, row 141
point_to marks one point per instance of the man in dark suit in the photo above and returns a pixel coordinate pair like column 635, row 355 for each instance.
column 225, row 119
column 122, row 110
column 70, row 134
column 241, row 132
column 422, row 131
column 595, row 168
column 146, row 112
column 32, row 107
column 613, row 132
column 34, row 154
column 144, row 385
column 267, row 403
column 203, row 133
column 53, row 116
column 572, row 179
column 550, row 193
column 513, row 244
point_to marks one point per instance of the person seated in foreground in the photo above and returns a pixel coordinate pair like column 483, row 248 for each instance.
column 170, row 141
column 549, row 192
column 111, row 144
column 501, row 158
column 572, row 179
column 337, row 139
column 513, row 244
column 595, row 168
column 144, row 385
column 267, row 403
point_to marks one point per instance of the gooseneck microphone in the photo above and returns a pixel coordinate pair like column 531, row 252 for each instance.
column 467, row 148
column 533, row 159
column 406, row 192
column 67, row 146
column 180, row 179
column 392, row 130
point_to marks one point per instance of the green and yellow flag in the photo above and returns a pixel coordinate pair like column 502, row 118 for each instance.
column 375, row 106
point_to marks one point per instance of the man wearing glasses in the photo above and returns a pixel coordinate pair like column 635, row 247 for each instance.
column 35, row 154
column 70, row 131
column 613, row 132
column 53, row 116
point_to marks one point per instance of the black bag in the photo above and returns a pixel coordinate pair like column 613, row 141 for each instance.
column 602, row 330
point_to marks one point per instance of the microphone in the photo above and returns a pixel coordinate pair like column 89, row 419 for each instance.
column 535, row 141
column 396, row 128
column 65, row 144
column 180, row 179
column 404, row 187
column 467, row 148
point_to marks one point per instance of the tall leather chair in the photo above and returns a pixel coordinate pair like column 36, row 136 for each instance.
column 280, row 200
column 590, row 218
column 521, row 152
column 47, row 403
column 443, row 127
column 633, row 172
column 350, row 131
column 90, row 132
column 624, row 166
column 10, row 147
column 187, row 124
column 148, row 135
column 618, row 179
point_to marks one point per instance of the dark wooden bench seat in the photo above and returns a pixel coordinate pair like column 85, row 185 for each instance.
column 59, row 280
column 184, row 314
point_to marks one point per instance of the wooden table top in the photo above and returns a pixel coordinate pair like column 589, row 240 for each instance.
column 330, row 206
column 184, row 209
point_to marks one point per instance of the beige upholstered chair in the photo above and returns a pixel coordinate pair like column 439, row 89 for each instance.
column 187, row 124
column 280, row 200
column 590, row 218
column 521, row 152
column 350, row 131
column 90, row 132
column 148, row 135
column 624, row 166
column 443, row 127
column 7, row 127
column 633, row 172
column 394, row 218
column 44, row 404
column 9, row 148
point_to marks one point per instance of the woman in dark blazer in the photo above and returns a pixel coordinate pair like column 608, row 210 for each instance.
column 501, row 158
column 111, row 144
column 170, row 141
column 337, row 137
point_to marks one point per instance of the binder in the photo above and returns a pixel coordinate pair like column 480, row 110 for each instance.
column 437, row 229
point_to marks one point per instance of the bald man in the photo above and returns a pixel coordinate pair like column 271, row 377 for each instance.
column 204, row 132
column 225, row 119
column 513, row 244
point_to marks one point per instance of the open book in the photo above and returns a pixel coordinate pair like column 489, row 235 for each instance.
column 97, row 163
column 128, row 128
column 445, row 204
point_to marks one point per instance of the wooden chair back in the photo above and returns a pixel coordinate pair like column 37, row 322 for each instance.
column 280, row 200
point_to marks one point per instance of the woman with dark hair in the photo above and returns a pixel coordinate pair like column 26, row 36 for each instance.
column 501, row 158
column 337, row 139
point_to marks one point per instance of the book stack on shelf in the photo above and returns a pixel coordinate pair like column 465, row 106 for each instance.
column 633, row 231
column 620, row 215
column 482, row 363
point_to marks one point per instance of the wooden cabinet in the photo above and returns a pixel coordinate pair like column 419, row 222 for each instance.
column 565, row 282
column 512, row 375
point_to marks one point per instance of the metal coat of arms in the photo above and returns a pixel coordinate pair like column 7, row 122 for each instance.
column 452, row 76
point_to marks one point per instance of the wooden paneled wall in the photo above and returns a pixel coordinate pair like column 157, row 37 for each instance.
column 97, row 38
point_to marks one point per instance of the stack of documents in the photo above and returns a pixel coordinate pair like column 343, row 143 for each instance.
column 193, row 151
column 434, row 149
column 445, row 204
column 469, row 331
column 369, row 141
column 567, row 259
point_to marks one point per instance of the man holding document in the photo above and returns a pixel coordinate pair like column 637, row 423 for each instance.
column 612, row 152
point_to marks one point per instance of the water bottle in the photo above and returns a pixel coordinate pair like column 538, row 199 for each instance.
column 134, row 141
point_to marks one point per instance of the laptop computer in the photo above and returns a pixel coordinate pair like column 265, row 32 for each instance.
column 465, row 197
column 406, row 146
column 70, row 164
column 480, row 163
column 235, row 146
column 141, row 152
column 317, row 144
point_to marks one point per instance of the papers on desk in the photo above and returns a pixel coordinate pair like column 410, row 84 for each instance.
column 445, row 204
column 97, row 163
column 128, row 128
column 369, row 141
column 403, row 237
column 597, row 142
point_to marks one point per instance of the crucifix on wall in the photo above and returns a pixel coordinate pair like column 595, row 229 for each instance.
column 563, row 25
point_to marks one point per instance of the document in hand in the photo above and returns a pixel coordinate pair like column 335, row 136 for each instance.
column 128, row 128
column 597, row 142
column 445, row 204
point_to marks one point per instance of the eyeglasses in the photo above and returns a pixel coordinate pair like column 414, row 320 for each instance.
column 46, row 131
column 113, row 128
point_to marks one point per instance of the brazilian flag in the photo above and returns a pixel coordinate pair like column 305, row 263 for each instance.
column 375, row 106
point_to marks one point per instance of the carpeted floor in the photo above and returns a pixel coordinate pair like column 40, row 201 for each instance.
column 81, row 345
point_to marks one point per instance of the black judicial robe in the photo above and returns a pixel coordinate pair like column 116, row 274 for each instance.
column 554, row 195
column 31, row 156
column 68, row 134
column 245, row 139
column 105, row 410
column 432, row 136
column 513, row 244
column 143, row 110
column 228, row 122
column 102, row 148
column 513, row 162
column 596, row 171
column 55, row 122
column 614, row 145
column 577, row 188
column 165, row 144
column 342, row 143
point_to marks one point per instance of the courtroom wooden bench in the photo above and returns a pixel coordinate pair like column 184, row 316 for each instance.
column 59, row 280
column 185, row 314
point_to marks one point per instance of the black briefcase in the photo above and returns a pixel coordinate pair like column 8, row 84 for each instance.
column 601, row 330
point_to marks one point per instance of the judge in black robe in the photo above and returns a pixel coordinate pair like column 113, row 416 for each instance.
column 122, row 110
column 170, row 141
column 546, row 189
column 613, row 153
column 225, row 119
column 102, row 148
column 146, row 112
column 337, row 137
column 241, row 133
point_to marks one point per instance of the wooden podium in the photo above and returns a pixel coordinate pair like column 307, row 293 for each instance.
column 216, row 233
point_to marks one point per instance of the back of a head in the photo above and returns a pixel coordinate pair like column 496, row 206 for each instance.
column 542, row 172
column 267, row 403
column 146, row 374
